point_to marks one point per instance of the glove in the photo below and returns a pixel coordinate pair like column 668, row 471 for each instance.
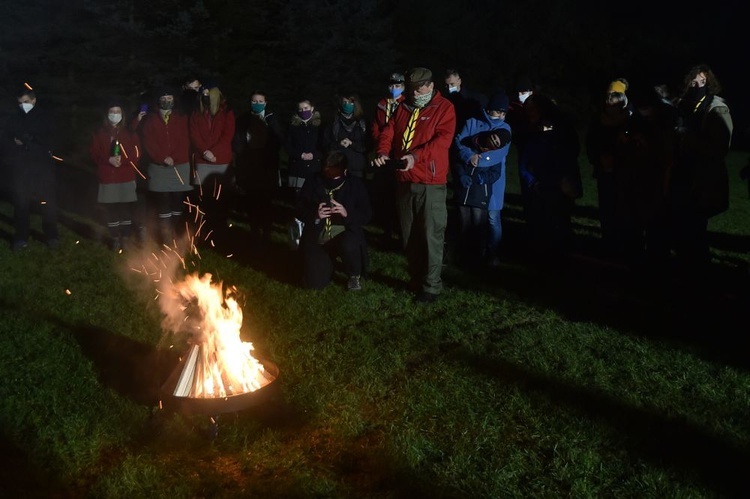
column 466, row 181
column 480, row 178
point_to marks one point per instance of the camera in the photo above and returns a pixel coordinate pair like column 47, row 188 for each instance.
column 395, row 164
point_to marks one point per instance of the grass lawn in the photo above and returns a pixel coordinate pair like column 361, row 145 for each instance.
column 587, row 380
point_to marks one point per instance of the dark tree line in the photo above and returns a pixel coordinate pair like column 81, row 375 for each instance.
column 77, row 53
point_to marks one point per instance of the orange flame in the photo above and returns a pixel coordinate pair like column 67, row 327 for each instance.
column 219, row 363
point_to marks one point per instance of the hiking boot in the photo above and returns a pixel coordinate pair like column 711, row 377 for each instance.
column 354, row 284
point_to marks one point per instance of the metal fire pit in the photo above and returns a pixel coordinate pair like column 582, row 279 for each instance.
column 213, row 406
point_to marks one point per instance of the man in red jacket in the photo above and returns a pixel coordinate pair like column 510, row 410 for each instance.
column 418, row 136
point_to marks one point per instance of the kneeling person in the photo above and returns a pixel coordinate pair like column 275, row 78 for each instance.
column 334, row 208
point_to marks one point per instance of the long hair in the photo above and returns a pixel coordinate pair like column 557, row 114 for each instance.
column 216, row 100
column 712, row 82
column 358, row 111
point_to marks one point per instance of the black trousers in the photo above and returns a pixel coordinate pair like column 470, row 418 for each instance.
column 318, row 259
column 34, row 182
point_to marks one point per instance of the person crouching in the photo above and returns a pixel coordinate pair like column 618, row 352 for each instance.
column 334, row 208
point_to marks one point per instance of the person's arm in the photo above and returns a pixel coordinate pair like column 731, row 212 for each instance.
column 441, row 138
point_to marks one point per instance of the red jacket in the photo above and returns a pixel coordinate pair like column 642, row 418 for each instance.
column 383, row 116
column 432, row 139
column 162, row 140
column 212, row 134
column 100, row 151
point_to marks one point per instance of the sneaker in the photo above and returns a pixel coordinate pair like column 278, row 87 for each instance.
column 354, row 284
column 426, row 297
column 20, row 245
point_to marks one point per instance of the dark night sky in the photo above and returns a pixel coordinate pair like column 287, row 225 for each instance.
column 649, row 39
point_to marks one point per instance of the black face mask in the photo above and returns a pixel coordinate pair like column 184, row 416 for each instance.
column 697, row 93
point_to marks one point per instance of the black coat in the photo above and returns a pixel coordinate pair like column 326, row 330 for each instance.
column 352, row 194
column 356, row 153
column 256, row 145
column 304, row 137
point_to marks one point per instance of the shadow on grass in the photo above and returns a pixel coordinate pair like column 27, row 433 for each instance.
column 133, row 369
column 669, row 442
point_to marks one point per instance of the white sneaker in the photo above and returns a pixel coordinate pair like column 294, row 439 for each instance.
column 354, row 284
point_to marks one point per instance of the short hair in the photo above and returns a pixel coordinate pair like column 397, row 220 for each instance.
column 451, row 72
column 24, row 90
column 336, row 159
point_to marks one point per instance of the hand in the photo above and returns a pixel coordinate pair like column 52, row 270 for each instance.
column 345, row 142
column 307, row 156
column 115, row 161
column 409, row 158
column 338, row 208
column 18, row 142
column 324, row 211
column 209, row 156
column 475, row 160
column 466, row 181
column 380, row 161
column 141, row 115
column 169, row 161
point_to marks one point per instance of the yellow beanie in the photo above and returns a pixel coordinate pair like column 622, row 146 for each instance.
column 617, row 86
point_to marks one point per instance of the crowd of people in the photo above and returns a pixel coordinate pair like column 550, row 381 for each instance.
column 658, row 163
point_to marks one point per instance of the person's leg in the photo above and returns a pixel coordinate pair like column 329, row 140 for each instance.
column 21, row 208
column 318, row 266
column 349, row 247
column 462, row 236
column 410, row 201
column 435, row 216
column 494, row 233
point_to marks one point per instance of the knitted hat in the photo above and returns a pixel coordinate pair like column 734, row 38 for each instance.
column 498, row 102
column 524, row 84
column 418, row 76
column 617, row 86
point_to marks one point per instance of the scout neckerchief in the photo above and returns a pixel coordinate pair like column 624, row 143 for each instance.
column 409, row 132
column 329, row 193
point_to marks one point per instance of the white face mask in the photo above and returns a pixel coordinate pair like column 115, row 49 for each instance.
column 452, row 90
column 27, row 106
column 522, row 96
column 114, row 118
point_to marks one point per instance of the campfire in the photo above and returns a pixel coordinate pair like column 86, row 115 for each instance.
column 219, row 373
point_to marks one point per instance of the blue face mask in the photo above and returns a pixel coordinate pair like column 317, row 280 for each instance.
column 258, row 107
column 347, row 107
column 395, row 92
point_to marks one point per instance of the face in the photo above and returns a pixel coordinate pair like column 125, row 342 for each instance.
column 304, row 106
column 194, row 85
column 425, row 88
column 453, row 81
column 496, row 114
column 114, row 110
column 347, row 100
column 257, row 99
column 25, row 99
column 699, row 80
column 394, row 86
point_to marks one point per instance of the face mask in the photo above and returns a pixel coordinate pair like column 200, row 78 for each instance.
column 422, row 100
column 166, row 105
column 452, row 90
column 695, row 93
column 395, row 92
column 495, row 117
column 522, row 96
column 27, row 106
column 114, row 118
column 305, row 115
column 258, row 107
column 347, row 107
